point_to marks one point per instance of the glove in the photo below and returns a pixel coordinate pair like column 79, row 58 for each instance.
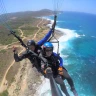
column 60, row 71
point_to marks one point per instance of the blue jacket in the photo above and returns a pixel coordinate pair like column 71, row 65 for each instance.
column 60, row 59
column 42, row 41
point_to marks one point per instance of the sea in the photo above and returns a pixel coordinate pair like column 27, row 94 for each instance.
column 77, row 47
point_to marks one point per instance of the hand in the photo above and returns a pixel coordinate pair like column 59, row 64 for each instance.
column 60, row 68
column 60, row 71
column 15, row 49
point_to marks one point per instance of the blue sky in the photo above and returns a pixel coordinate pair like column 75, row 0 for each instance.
column 87, row 6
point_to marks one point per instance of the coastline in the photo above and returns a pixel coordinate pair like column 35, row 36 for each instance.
column 28, row 81
column 34, row 85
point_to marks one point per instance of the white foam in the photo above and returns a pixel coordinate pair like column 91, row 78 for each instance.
column 43, row 88
column 79, row 36
column 68, row 34
column 93, row 36
column 51, row 22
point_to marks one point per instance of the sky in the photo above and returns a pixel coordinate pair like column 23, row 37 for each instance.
column 88, row 6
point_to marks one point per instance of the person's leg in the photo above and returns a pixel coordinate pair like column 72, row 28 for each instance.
column 70, row 81
column 59, row 81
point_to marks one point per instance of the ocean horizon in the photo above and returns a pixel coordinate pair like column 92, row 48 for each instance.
column 78, row 50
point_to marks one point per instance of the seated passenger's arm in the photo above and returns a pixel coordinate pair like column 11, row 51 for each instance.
column 42, row 41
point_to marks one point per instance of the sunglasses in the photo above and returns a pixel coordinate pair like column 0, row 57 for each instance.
column 49, row 50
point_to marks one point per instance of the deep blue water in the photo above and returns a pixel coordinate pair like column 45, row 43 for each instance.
column 79, row 54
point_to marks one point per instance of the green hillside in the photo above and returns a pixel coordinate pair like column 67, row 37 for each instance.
column 24, row 20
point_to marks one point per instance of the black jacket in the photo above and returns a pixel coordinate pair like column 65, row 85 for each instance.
column 28, row 54
column 53, row 61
